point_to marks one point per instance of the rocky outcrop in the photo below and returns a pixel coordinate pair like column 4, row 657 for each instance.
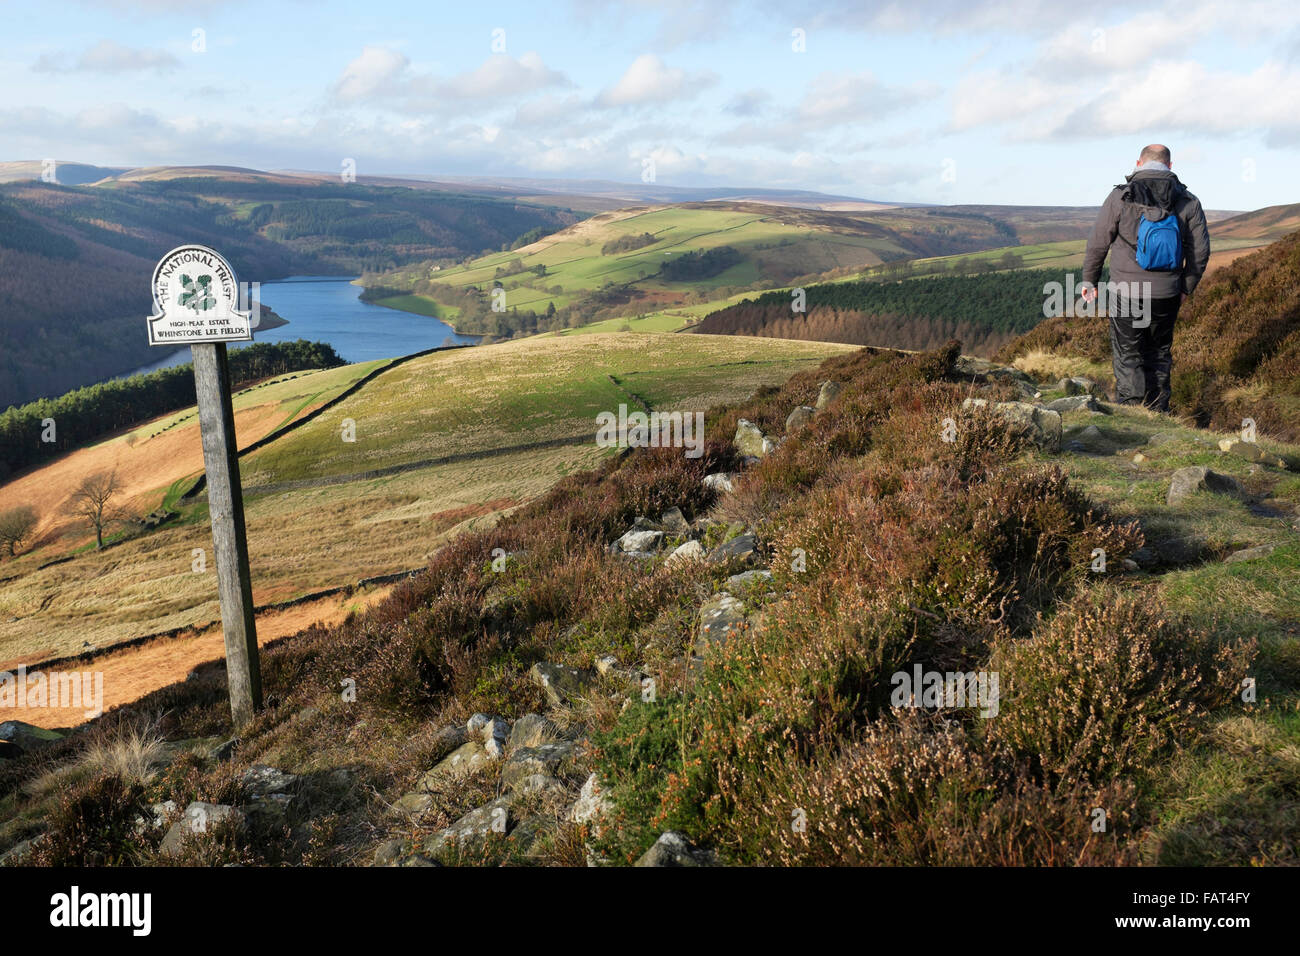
column 1187, row 481
column 722, row 482
column 1250, row 554
column 799, row 418
column 28, row 738
column 640, row 542
column 592, row 803
column 159, row 814
column 749, row 578
column 466, row 758
column 741, row 548
column 1077, row 403
column 1078, row 385
column 531, row 730
column 690, row 551
column 1250, row 452
column 472, row 830
column 1091, row 441
column 198, row 822
column 828, row 392
column 720, row 617
column 562, row 684
column 750, row 440
column 674, row 522
column 260, row 780
column 544, row 761
column 1040, row 426
column 673, row 849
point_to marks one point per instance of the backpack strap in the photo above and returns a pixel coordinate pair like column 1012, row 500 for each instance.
column 1125, row 196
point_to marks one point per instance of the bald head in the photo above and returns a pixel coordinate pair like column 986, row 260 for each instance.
column 1155, row 153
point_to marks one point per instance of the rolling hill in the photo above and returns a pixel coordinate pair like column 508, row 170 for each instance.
column 624, row 263
column 540, row 693
column 67, row 174
column 451, row 437
column 1267, row 225
column 76, row 260
column 615, row 271
column 985, row 298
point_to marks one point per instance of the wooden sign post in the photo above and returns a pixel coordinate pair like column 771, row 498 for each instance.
column 196, row 302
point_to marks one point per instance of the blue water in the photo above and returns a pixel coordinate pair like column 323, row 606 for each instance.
column 328, row 309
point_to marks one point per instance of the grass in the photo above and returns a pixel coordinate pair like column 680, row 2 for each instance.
column 420, row 305
column 308, row 539
column 774, row 242
column 1122, row 688
column 515, row 393
column 1230, row 801
column 292, row 393
column 1064, row 255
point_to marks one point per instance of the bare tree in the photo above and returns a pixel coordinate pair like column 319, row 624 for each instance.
column 92, row 501
column 16, row 525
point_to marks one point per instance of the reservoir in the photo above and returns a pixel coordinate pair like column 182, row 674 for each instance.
column 329, row 309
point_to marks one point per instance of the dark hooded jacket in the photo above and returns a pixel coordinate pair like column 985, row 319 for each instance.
column 1116, row 233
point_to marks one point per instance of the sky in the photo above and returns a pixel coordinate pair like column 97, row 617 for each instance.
column 949, row 101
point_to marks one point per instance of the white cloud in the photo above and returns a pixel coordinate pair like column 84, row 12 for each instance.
column 671, row 162
column 383, row 76
column 1139, row 75
column 1150, row 102
column 834, row 98
column 1185, row 96
column 107, row 56
column 650, row 80
column 501, row 75
column 996, row 97
column 372, row 73
column 748, row 103
column 831, row 101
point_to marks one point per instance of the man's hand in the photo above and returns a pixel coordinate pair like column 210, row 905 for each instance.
column 1088, row 293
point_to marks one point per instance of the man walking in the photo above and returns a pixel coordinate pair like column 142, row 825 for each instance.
column 1155, row 232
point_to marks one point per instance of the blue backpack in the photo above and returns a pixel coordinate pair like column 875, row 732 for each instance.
column 1159, row 241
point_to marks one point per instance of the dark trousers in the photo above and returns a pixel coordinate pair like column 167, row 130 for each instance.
column 1142, row 357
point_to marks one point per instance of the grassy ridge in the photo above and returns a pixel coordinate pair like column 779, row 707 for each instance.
column 484, row 399
column 1120, row 689
column 623, row 264
column 471, row 402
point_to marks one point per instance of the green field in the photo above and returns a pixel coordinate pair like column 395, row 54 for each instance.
column 293, row 392
column 516, row 393
column 767, row 238
column 491, row 405
column 420, row 305
column 1044, row 255
column 606, row 274
column 1064, row 255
